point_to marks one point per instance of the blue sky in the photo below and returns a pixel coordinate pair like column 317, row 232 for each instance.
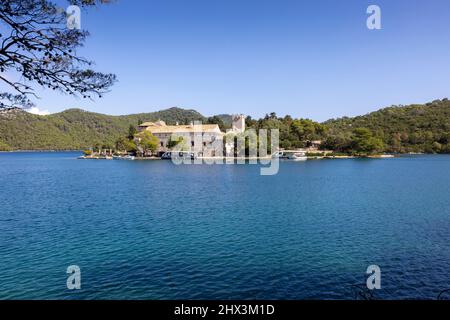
column 313, row 59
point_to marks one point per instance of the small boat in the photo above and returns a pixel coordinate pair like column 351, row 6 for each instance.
column 178, row 155
column 278, row 154
column 127, row 157
column 298, row 156
column 166, row 156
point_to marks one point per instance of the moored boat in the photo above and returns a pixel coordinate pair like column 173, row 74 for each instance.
column 178, row 155
column 279, row 154
column 127, row 157
column 298, row 156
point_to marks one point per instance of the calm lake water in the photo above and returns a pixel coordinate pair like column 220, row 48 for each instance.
column 154, row 230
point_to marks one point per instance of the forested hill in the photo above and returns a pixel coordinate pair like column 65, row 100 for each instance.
column 415, row 128
column 75, row 129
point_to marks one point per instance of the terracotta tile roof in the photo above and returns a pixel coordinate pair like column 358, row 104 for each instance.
column 147, row 124
column 154, row 128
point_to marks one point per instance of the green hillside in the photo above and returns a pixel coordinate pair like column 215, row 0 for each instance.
column 76, row 129
column 414, row 128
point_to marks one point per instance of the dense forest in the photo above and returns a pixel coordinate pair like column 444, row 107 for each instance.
column 75, row 129
column 397, row 129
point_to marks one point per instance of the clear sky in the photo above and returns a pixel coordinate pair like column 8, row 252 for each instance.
column 307, row 58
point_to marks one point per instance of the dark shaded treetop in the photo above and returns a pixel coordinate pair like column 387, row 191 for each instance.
column 37, row 48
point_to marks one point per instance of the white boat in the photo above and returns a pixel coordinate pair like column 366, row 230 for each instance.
column 123, row 157
column 297, row 156
column 278, row 154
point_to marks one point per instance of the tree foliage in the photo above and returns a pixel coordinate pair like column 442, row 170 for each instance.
column 38, row 49
column 75, row 129
column 294, row 133
column 124, row 144
column 146, row 142
column 415, row 128
column 360, row 141
column 174, row 141
column 179, row 143
column 217, row 120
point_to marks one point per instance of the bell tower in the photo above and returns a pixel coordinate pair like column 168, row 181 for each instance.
column 238, row 123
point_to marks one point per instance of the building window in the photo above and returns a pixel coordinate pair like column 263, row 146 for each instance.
column 162, row 144
column 192, row 143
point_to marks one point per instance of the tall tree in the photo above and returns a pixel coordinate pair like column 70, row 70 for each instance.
column 38, row 49
column 147, row 142
column 123, row 144
column 363, row 141
column 216, row 120
column 131, row 132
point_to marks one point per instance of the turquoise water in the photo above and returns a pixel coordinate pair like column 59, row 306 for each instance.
column 154, row 230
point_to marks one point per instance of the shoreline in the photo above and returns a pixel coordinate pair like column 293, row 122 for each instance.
column 253, row 158
column 37, row 151
column 375, row 156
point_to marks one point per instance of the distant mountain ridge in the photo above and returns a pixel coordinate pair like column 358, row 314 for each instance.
column 76, row 129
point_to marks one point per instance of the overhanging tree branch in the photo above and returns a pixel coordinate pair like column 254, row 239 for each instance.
column 36, row 45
